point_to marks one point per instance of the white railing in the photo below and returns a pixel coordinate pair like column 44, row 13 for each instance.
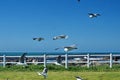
column 90, row 58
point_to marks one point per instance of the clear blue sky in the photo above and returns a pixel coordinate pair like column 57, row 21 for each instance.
column 21, row 20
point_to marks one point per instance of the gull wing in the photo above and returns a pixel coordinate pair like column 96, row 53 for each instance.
column 34, row 38
column 57, row 48
column 60, row 37
column 98, row 14
column 22, row 57
column 68, row 47
column 78, row 78
column 39, row 73
column 90, row 13
column 74, row 45
column 39, row 39
column 64, row 36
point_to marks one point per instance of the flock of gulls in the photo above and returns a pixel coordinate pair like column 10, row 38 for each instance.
column 71, row 47
column 66, row 49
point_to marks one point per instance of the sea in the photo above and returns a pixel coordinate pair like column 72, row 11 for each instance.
column 15, row 53
column 53, row 53
column 31, row 53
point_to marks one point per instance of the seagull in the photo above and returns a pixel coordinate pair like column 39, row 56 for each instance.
column 92, row 15
column 68, row 48
column 38, row 39
column 60, row 37
column 43, row 73
column 23, row 57
column 22, row 60
column 78, row 78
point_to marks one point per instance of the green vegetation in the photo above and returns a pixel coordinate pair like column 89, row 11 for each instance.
column 60, row 73
column 102, row 68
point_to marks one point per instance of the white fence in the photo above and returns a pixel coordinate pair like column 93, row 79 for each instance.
column 77, row 59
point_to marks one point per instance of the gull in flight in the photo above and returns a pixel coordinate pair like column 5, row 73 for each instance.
column 92, row 15
column 38, row 39
column 68, row 48
column 60, row 37
column 78, row 78
column 43, row 73
column 22, row 60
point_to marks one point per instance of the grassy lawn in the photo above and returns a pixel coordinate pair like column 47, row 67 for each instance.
column 59, row 75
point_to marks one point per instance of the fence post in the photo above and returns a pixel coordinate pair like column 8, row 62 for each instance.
column 66, row 60
column 111, row 60
column 4, row 60
column 88, row 60
column 44, row 60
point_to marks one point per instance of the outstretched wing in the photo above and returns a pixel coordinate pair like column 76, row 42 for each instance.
column 57, row 48
column 98, row 14
column 39, row 39
column 45, row 70
column 90, row 13
column 34, row 38
column 39, row 73
column 22, row 57
column 74, row 45
column 69, row 48
column 60, row 37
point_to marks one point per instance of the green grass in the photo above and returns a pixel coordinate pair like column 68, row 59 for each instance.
column 101, row 68
column 59, row 75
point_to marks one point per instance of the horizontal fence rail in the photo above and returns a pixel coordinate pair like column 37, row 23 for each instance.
column 87, row 59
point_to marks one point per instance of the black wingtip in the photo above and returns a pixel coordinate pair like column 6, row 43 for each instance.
column 77, row 77
column 56, row 48
column 34, row 38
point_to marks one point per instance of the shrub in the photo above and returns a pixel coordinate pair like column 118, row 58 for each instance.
column 61, row 68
